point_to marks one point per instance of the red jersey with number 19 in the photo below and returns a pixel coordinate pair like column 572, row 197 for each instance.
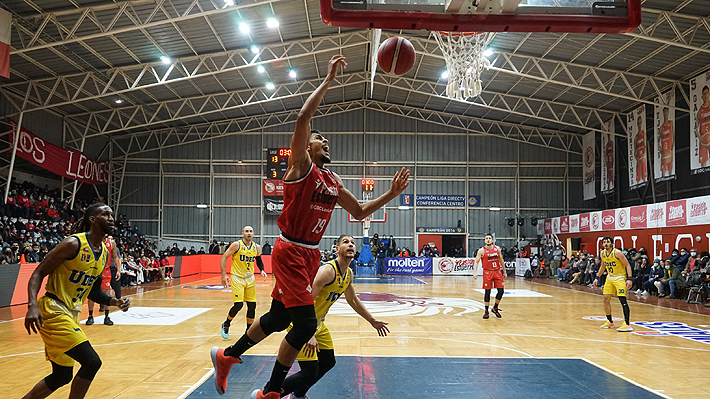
column 308, row 205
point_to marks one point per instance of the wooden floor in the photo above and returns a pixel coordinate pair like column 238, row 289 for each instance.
column 428, row 316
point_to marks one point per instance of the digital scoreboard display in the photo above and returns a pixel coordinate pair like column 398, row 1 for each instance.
column 368, row 185
column 277, row 162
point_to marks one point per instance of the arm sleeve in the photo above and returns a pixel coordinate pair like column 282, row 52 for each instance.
column 260, row 263
column 97, row 295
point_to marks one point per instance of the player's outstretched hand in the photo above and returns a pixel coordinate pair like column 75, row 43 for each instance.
column 123, row 304
column 381, row 328
column 33, row 320
column 337, row 60
column 263, row 273
column 400, row 181
column 310, row 347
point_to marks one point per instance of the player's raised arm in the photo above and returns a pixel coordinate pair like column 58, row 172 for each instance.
column 67, row 249
column 300, row 161
column 223, row 262
column 359, row 307
column 347, row 200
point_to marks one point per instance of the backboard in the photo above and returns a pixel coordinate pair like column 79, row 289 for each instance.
column 580, row 16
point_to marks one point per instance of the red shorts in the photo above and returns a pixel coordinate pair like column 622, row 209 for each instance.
column 294, row 269
column 641, row 175
column 106, row 279
column 704, row 153
column 492, row 278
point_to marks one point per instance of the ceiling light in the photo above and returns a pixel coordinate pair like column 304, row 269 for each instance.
column 494, row 208
column 404, row 208
column 118, row 101
column 165, row 59
column 374, row 162
column 202, row 206
column 292, row 74
column 254, row 49
column 260, row 69
column 270, row 86
column 445, row 74
column 228, row 3
column 272, row 23
column 488, row 52
column 244, row 28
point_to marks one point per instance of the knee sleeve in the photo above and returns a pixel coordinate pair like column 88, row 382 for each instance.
column 326, row 361
column 276, row 319
column 251, row 310
column 235, row 309
column 487, row 296
column 90, row 362
column 623, row 301
column 499, row 295
column 310, row 372
column 61, row 375
column 304, row 325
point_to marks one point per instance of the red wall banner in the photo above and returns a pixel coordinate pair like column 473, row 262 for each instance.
column 71, row 164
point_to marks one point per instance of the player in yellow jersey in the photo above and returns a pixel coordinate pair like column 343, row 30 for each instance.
column 73, row 270
column 618, row 282
column 245, row 254
column 317, row 357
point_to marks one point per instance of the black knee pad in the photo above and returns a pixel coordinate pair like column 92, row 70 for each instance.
column 90, row 361
column 487, row 296
column 61, row 375
column 326, row 360
column 276, row 319
column 304, row 325
column 623, row 301
column 310, row 372
column 499, row 295
column 235, row 309
column 251, row 310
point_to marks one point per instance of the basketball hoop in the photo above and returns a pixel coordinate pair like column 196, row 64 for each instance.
column 463, row 53
column 366, row 222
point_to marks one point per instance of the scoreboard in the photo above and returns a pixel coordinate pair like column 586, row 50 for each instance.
column 277, row 163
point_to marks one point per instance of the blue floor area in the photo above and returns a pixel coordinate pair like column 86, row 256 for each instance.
column 358, row 377
column 387, row 280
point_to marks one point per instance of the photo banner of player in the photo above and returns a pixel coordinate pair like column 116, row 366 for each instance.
column 664, row 151
column 700, row 123
column 608, row 157
column 636, row 130
column 588, row 154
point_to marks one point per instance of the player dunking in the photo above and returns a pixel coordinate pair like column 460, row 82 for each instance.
column 110, row 278
column 703, row 130
column 73, row 270
column 310, row 195
column 609, row 157
column 245, row 253
column 667, row 138
column 618, row 282
column 494, row 272
column 640, row 152
column 317, row 357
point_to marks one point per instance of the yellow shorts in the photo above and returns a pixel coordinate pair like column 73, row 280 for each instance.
column 615, row 285
column 243, row 289
column 325, row 341
column 60, row 332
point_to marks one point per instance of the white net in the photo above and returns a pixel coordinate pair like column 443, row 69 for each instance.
column 463, row 53
column 366, row 223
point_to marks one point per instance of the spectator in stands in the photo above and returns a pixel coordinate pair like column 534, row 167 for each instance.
column 682, row 261
column 32, row 253
column 192, row 251
column 556, row 261
column 425, row 252
column 52, row 214
column 11, row 204
column 201, row 251
column 381, row 255
column 404, row 253
column 674, row 256
column 641, row 275
column 266, row 248
column 8, row 257
column 43, row 251
column 165, row 264
column 392, row 251
column 591, row 272
column 580, row 268
column 175, row 251
column 435, row 252
column 563, row 269
column 670, row 281
column 22, row 204
column 183, row 251
column 693, row 262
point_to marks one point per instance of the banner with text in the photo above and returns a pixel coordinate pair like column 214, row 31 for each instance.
column 408, row 265
column 273, row 205
column 664, row 148
column 71, row 164
column 455, row 266
column 589, row 178
column 440, row 200
column 636, row 128
column 700, row 123
column 609, row 156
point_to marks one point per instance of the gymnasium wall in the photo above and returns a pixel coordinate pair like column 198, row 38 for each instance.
column 443, row 160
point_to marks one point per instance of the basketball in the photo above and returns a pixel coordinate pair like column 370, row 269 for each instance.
column 396, row 55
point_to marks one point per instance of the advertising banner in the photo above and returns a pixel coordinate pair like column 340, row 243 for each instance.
column 440, row 200
column 273, row 205
column 574, row 224
column 595, row 221
column 639, row 217
column 408, row 265
column 272, row 188
column 71, row 164
column 584, row 222
column 664, row 147
column 589, row 168
column 700, row 123
column 455, row 266
column 698, row 210
column 564, row 224
column 675, row 213
column 608, row 156
column 636, row 128
column 540, row 227
column 622, row 219
column 521, row 266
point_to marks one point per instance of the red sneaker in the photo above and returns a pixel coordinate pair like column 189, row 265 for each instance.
column 496, row 312
column 270, row 395
column 222, row 364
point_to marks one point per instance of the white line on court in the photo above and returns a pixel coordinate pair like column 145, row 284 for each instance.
column 195, row 385
column 450, row 340
column 627, row 379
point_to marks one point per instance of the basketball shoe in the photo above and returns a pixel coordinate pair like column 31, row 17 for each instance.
column 608, row 324
column 222, row 364
column 625, row 328
column 496, row 312
column 225, row 331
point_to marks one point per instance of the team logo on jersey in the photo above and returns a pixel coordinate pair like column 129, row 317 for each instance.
column 386, row 305
column 85, row 257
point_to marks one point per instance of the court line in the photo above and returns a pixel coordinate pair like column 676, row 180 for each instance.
column 450, row 340
column 196, row 385
column 7, row 321
column 627, row 379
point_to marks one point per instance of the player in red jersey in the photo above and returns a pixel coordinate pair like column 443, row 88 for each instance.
column 640, row 152
column 310, row 195
column 703, row 128
column 493, row 273
column 609, row 157
column 110, row 278
column 667, row 138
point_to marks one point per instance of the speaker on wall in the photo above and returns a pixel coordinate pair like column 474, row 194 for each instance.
column 576, row 243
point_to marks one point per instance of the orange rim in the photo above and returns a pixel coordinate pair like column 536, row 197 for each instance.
column 459, row 33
